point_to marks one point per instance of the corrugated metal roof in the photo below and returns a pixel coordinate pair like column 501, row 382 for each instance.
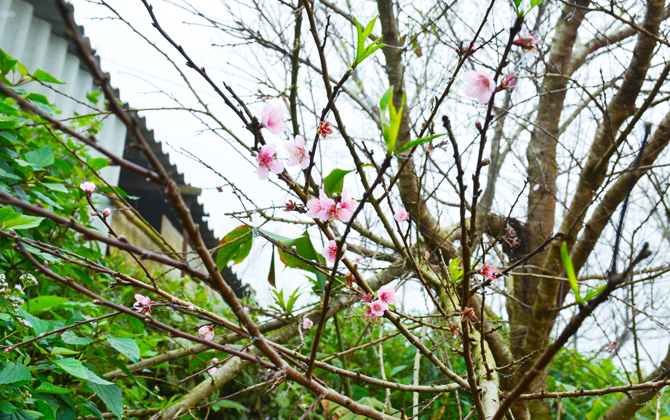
column 33, row 32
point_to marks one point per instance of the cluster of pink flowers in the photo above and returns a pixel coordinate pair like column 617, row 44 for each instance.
column 328, row 209
column 143, row 304
column 376, row 308
column 489, row 272
column 267, row 160
column 329, row 252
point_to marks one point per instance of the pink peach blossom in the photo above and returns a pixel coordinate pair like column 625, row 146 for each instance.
column 143, row 303
column 211, row 371
column 271, row 118
column 509, row 81
column 330, row 251
column 314, row 207
column 342, row 208
column 378, row 307
column 106, row 212
column 528, row 42
column 369, row 316
column 215, row 360
column 207, row 331
column 87, row 187
column 401, row 215
column 480, row 85
column 387, row 294
column 367, row 297
column 267, row 162
column 489, row 271
column 297, row 153
column 307, row 324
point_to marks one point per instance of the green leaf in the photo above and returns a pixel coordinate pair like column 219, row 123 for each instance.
column 44, row 303
column 292, row 300
column 93, row 409
column 398, row 369
column 62, row 350
column 231, row 404
column 112, row 396
column 570, row 272
column 7, row 63
column 73, row 367
column 126, row 346
column 41, row 157
column 417, row 142
column 334, row 182
column 5, row 174
column 594, row 292
column 71, row 338
column 14, row 372
column 11, row 219
column 390, row 119
column 8, row 408
column 98, row 163
column 363, row 52
column 49, row 388
column 598, row 409
column 55, row 187
column 94, row 378
column 455, row 272
column 235, row 246
column 303, row 247
column 40, row 326
column 534, row 3
column 43, row 76
column 10, row 123
column 271, row 274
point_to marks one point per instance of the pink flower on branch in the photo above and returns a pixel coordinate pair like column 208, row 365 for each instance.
column 368, row 297
column 142, row 304
column 207, row 331
column 267, row 162
column 401, row 215
column 387, row 294
column 378, row 307
column 106, row 212
column 324, row 129
column 328, row 209
column 271, row 118
column 369, row 316
column 215, row 360
column 307, row 324
column 528, row 42
column 87, row 187
column 341, row 208
column 314, row 207
column 330, row 251
column 297, row 153
column 480, row 85
column 211, row 371
column 489, row 271
column 509, row 81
